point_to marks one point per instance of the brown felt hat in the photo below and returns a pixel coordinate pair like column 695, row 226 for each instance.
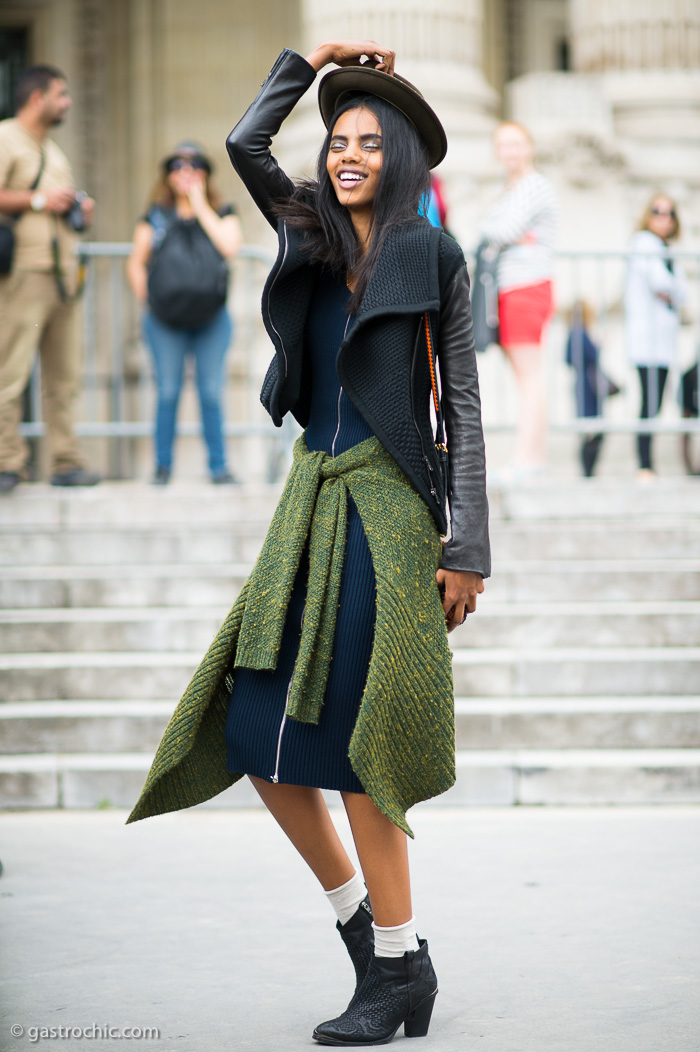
column 339, row 83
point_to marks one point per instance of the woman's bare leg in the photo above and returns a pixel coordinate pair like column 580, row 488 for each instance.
column 531, row 433
column 383, row 852
column 302, row 813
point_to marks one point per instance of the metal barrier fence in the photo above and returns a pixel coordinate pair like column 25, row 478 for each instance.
column 118, row 394
column 118, row 388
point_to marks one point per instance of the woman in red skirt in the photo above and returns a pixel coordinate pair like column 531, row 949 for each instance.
column 522, row 224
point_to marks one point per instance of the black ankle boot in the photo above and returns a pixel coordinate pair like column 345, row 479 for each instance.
column 395, row 990
column 358, row 936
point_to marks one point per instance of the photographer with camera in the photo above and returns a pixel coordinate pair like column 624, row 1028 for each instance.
column 40, row 215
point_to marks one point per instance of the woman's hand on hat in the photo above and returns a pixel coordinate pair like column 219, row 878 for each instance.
column 461, row 589
column 350, row 53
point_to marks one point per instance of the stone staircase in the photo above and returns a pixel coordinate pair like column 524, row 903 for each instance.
column 578, row 681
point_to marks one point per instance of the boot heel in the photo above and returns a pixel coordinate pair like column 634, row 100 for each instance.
column 417, row 1023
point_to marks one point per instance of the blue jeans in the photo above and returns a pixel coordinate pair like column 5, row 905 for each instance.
column 169, row 347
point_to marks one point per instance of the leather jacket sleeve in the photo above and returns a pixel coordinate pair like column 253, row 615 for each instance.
column 249, row 143
column 468, row 547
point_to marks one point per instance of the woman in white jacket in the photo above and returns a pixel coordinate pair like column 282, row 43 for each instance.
column 655, row 290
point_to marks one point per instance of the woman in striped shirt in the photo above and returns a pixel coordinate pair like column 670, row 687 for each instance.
column 522, row 224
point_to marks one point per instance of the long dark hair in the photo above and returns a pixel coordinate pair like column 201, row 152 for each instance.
column 404, row 179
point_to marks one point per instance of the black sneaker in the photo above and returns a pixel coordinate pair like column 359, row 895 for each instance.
column 161, row 477
column 8, row 481
column 225, row 478
column 76, row 477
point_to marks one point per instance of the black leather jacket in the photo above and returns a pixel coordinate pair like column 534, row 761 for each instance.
column 383, row 363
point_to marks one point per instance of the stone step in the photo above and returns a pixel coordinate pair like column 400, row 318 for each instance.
column 489, row 672
column 576, row 777
column 218, row 584
column 481, row 723
column 484, row 778
column 598, row 580
column 106, row 629
column 575, row 723
column 495, row 624
column 595, row 539
column 675, row 499
column 592, row 624
column 103, row 547
column 126, row 586
column 240, row 541
column 576, row 671
column 134, row 503
column 83, row 726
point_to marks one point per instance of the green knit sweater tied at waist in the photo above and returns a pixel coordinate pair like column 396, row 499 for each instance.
column 313, row 511
column 402, row 746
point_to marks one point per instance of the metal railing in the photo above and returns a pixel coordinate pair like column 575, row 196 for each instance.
column 118, row 394
column 118, row 388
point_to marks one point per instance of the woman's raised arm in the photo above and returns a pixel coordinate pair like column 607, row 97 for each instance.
column 249, row 143
column 291, row 76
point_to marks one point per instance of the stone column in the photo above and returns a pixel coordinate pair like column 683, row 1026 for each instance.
column 648, row 55
column 438, row 45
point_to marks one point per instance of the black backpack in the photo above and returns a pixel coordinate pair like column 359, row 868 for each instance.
column 484, row 296
column 187, row 275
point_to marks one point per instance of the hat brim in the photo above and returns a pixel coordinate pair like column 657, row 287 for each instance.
column 337, row 84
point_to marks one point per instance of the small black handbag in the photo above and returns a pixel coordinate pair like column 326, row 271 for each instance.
column 7, row 229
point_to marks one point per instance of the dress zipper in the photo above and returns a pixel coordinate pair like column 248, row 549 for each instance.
column 335, row 436
column 275, row 777
column 340, row 395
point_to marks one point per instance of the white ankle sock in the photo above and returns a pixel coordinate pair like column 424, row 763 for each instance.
column 394, row 942
column 347, row 897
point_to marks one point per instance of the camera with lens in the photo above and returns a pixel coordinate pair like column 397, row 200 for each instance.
column 75, row 217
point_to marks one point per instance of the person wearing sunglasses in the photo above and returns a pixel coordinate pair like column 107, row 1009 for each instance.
column 655, row 290
column 178, row 272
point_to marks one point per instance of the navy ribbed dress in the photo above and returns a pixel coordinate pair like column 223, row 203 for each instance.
column 259, row 739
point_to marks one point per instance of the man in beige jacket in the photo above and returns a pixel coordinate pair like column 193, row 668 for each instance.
column 37, row 297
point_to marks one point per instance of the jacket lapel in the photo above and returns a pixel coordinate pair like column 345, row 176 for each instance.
column 406, row 277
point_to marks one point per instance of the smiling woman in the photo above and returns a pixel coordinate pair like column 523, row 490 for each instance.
column 386, row 167
column 354, row 164
column 333, row 670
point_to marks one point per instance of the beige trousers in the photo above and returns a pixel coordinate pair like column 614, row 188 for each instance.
column 32, row 316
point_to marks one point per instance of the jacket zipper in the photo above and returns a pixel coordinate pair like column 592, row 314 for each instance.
column 274, row 280
column 431, row 476
column 278, row 62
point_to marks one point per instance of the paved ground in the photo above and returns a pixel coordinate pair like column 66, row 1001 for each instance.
column 557, row 930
